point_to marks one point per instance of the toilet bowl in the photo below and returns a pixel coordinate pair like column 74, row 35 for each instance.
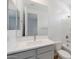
column 64, row 54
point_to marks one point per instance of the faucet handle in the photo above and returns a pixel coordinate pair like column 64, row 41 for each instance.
column 67, row 36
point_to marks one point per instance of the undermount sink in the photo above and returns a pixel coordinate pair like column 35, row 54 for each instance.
column 30, row 43
column 38, row 42
column 34, row 43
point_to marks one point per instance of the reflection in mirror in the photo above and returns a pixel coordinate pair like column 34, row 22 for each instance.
column 32, row 24
column 31, row 20
column 27, row 19
column 12, row 20
column 36, row 19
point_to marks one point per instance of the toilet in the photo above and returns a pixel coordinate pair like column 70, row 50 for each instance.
column 63, row 54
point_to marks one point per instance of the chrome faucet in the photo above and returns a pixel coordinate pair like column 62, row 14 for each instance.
column 34, row 37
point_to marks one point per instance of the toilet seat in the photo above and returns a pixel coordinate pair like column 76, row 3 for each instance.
column 64, row 54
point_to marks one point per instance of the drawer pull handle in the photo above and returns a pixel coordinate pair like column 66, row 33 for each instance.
column 25, row 58
column 38, row 58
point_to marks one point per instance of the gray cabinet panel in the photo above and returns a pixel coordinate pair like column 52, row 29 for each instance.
column 40, row 53
column 29, row 58
column 47, row 55
column 26, row 54
column 13, row 57
column 22, row 55
column 45, row 49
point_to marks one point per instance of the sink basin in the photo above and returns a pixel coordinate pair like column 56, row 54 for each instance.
column 31, row 43
column 34, row 43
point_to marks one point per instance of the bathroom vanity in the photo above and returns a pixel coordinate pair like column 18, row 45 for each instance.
column 42, row 49
column 28, row 19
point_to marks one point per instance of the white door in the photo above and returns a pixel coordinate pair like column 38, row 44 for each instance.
column 47, row 55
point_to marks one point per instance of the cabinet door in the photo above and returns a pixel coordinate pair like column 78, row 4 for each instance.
column 45, row 49
column 47, row 55
column 13, row 57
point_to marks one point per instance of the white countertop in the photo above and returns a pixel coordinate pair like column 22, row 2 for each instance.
column 14, row 46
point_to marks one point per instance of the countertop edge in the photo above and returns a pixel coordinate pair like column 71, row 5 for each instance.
column 23, row 50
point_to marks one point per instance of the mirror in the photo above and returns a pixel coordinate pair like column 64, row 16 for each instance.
column 36, row 19
column 12, row 20
column 27, row 18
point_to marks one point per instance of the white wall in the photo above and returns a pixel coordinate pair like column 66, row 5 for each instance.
column 57, row 13
column 66, row 28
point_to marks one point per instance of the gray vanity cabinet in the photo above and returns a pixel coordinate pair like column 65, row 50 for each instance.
column 23, row 55
column 13, row 57
column 45, row 52
column 16, row 57
column 39, row 53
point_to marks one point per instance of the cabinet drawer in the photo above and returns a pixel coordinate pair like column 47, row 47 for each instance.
column 29, row 58
column 45, row 49
column 25, row 54
column 47, row 55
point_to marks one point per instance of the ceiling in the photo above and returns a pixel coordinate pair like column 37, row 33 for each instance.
column 64, row 2
column 62, row 5
column 45, row 2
